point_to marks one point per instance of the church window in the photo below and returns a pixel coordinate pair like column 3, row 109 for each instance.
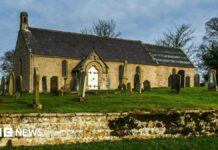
column 64, row 68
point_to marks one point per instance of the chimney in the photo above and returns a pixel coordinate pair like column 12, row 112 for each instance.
column 23, row 20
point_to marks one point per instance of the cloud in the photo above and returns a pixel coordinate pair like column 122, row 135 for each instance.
column 138, row 19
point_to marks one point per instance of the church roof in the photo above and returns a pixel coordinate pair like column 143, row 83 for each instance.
column 169, row 56
column 78, row 46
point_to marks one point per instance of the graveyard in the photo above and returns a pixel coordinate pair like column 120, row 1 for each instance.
column 158, row 99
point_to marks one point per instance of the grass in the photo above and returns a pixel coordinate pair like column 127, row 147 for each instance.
column 157, row 99
column 192, row 143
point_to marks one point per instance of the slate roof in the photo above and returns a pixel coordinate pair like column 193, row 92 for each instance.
column 78, row 46
column 169, row 56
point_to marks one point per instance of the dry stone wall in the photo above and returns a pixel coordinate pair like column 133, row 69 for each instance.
column 89, row 127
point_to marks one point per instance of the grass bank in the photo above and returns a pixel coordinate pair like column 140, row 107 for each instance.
column 157, row 99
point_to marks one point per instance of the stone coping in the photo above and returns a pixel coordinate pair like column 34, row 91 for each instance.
column 100, row 114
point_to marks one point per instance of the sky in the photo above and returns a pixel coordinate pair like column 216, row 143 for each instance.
column 144, row 20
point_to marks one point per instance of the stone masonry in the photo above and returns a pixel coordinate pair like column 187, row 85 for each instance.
column 91, row 127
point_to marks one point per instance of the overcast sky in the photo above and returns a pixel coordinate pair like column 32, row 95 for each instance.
column 143, row 20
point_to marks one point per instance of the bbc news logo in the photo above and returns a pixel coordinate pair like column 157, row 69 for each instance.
column 21, row 132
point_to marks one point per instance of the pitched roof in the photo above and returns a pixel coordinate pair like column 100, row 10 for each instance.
column 74, row 45
column 169, row 56
column 78, row 46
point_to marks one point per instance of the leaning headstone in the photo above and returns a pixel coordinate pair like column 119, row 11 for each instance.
column 147, row 85
column 82, row 86
column 129, row 87
column 3, row 86
column 36, row 101
column 175, row 83
column 212, row 82
column 197, row 80
column 11, row 83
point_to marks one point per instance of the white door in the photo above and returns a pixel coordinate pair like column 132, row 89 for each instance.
column 93, row 78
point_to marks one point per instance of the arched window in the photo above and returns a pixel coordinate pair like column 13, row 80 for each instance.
column 64, row 68
column 25, row 20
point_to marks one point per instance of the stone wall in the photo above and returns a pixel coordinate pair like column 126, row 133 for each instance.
column 22, row 61
column 90, row 127
column 157, row 75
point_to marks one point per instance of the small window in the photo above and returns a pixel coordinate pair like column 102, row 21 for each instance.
column 24, row 20
column 20, row 67
column 64, row 68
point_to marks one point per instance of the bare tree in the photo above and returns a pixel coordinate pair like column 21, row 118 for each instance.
column 211, row 30
column 102, row 28
column 180, row 37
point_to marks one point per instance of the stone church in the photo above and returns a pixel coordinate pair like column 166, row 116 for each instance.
column 61, row 56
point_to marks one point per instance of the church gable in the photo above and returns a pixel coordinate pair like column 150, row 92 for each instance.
column 93, row 59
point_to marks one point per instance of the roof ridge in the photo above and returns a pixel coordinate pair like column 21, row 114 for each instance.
column 163, row 46
column 88, row 35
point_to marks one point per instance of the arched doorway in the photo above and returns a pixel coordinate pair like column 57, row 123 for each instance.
column 93, row 78
column 182, row 74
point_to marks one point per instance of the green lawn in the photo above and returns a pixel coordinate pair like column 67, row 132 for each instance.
column 193, row 143
column 157, row 99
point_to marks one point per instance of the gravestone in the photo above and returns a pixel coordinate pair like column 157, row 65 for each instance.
column 11, row 84
column 147, row 85
column 54, row 85
column 36, row 101
column 187, row 81
column 124, row 78
column 212, row 82
column 129, row 87
column 197, row 80
column 137, row 80
column 3, row 86
column 82, row 86
column 176, row 83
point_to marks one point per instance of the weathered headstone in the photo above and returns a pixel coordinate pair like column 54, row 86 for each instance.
column 11, row 84
column 82, row 86
column 147, row 85
column 124, row 78
column 187, row 81
column 3, row 86
column 197, row 80
column 137, row 80
column 175, row 83
column 212, row 82
column 36, row 101
column 129, row 87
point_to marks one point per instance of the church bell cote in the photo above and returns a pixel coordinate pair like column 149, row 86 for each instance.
column 23, row 20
